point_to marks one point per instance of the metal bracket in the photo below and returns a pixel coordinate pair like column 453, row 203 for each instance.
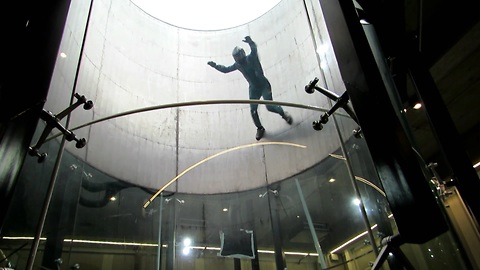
column 341, row 102
column 53, row 121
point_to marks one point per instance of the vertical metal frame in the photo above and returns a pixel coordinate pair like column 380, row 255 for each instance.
column 407, row 191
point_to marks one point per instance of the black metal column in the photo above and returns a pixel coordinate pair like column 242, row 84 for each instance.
column 445, row 131
column 255, row 263
column 406, row 188
column 276, row 232
column 171, row 236
column 61, row 217
column 237, row 264
column 31, row 35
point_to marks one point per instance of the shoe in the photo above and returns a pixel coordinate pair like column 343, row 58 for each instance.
column 260, row 132
column 288, row 118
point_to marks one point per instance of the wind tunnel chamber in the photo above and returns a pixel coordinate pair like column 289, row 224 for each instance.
column 163, row 120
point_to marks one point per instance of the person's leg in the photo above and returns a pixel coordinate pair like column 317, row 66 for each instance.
column 255, row 94
column 267, row 95
column 255, row 117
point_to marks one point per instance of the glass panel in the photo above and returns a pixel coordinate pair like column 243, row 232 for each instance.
column 302, row 198
column 120, row 235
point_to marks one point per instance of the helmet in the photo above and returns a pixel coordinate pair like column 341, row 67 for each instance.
column 238, row 54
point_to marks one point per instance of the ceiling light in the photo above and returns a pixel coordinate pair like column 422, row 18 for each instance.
column 364, row 22
column 356, row 201
column 417, row 106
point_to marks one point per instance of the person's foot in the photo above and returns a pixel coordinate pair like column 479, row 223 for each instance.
column 260, row 132
column 288, row 118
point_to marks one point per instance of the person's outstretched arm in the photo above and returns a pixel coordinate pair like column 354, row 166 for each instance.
column 252, row 44
column 222, row 68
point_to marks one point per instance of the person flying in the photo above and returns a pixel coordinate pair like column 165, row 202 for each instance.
column 259, row 86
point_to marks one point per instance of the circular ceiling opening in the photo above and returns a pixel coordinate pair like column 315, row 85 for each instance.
column 206, row 14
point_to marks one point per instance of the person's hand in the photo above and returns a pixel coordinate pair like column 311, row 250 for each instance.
column 211, row 63
column 248, row 39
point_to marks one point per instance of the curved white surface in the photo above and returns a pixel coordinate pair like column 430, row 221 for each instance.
column 206, row 14
column 132, row 61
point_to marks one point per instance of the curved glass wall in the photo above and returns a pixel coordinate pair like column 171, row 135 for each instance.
column 163, row 120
